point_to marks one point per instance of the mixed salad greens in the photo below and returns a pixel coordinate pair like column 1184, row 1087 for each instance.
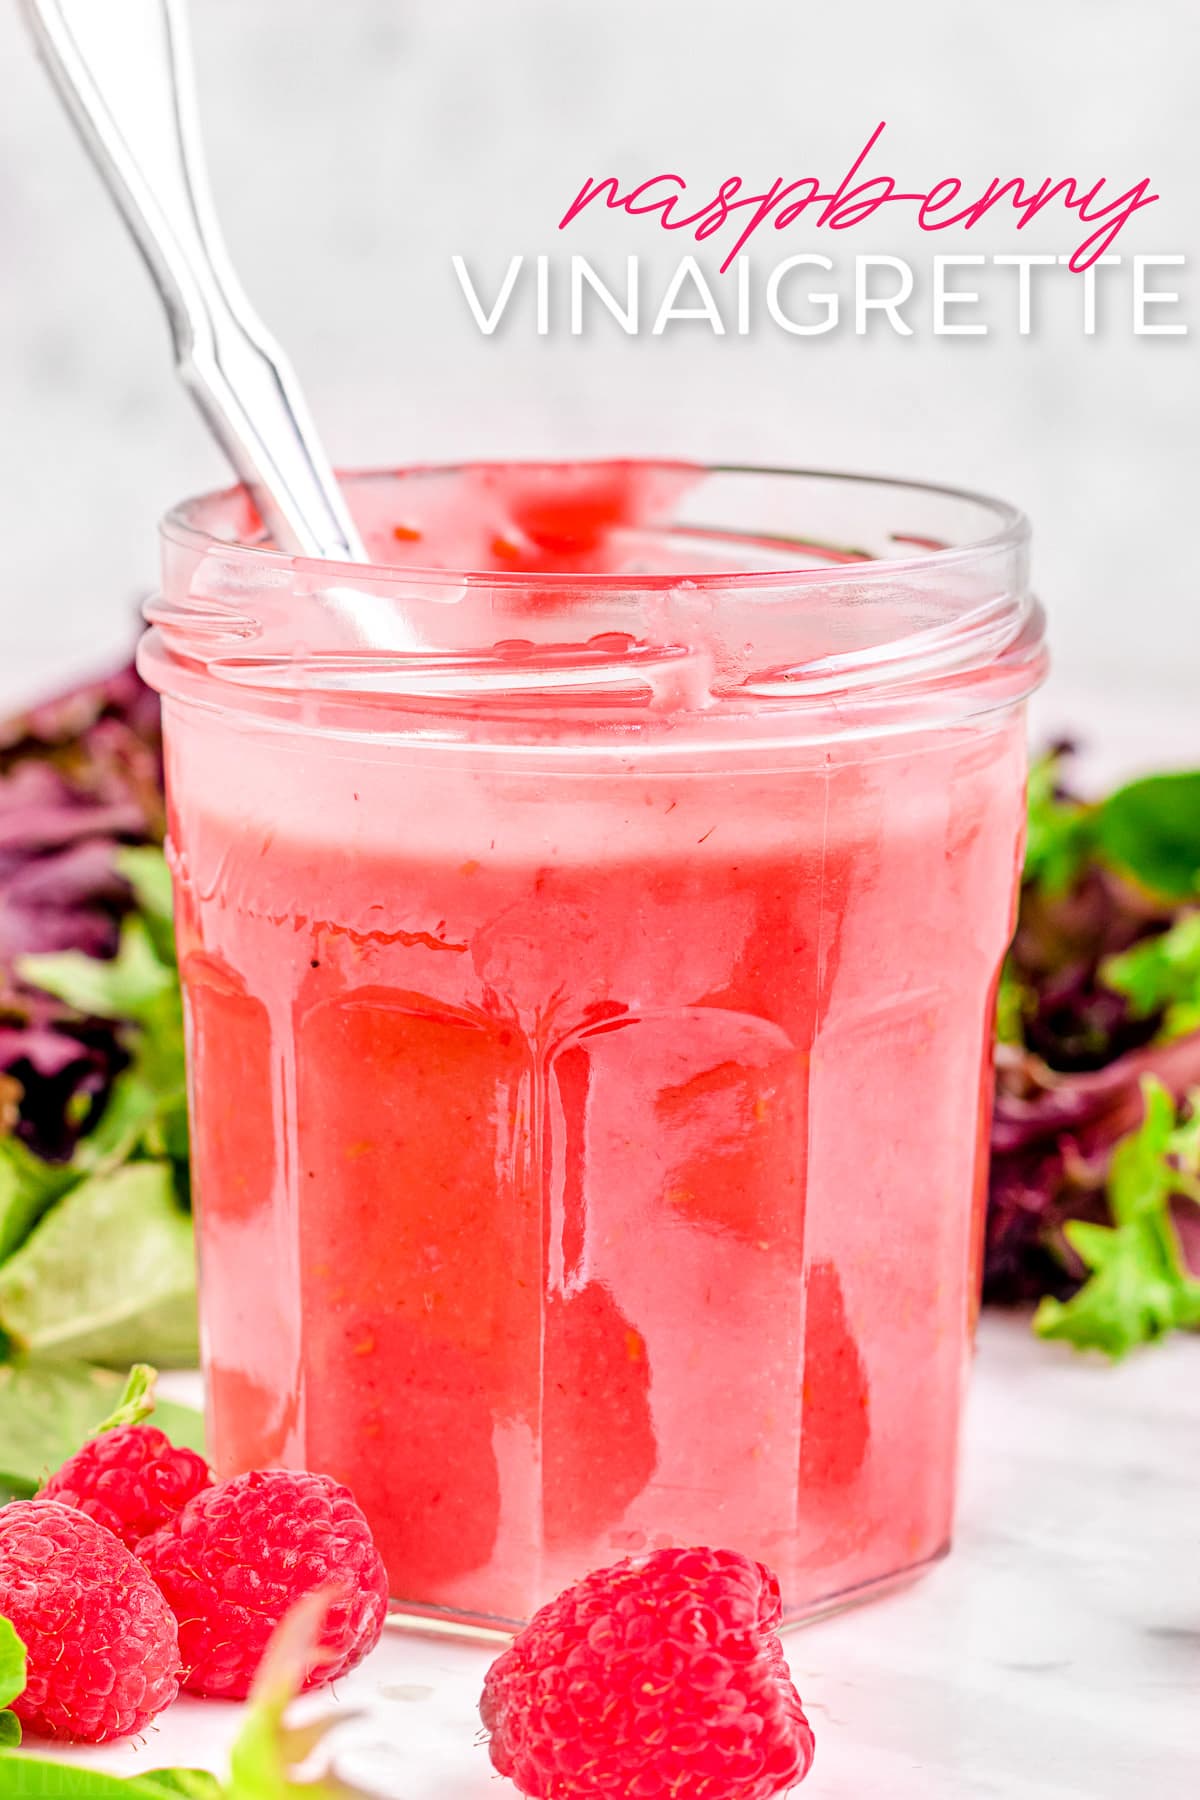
column 97, row 1268
column 1094, row 1203
column 1094, row 1207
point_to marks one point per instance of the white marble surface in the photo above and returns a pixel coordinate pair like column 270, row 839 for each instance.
column 1054, row 1656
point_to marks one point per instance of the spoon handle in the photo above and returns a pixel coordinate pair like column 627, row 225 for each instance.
column 123, row 71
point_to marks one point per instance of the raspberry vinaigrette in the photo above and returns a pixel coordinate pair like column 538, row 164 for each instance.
column 590, row 1005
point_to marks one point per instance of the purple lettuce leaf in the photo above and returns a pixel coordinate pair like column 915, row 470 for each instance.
column 1053, row 1135
column 80, row 777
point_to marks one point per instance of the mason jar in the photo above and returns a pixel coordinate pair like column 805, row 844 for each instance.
column 590, row 915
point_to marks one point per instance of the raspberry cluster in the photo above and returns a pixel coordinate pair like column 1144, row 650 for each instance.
column 134, row 1574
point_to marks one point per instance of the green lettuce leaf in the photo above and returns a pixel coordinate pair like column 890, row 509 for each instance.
column 1139, row 1287
column 127, row 987
column 145, row 869
column 1162, row 974
column 1011, row 1003
column 12, row 1682
column 108, row 1275
column 28, row 1188
column 24, row 1777
column 146, row 1112
column 194, row 1784
column 1150, row 830
column 1060, row 833
column 269, row 1751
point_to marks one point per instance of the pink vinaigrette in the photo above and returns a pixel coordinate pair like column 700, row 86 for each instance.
column 590, row 935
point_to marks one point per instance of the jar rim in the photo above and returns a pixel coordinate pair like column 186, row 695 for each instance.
column 184, row 526
column 818, row 623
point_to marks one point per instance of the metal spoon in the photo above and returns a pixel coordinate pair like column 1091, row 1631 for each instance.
column 123, row 71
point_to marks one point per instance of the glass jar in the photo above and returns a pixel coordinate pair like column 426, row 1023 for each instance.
column 590, row 917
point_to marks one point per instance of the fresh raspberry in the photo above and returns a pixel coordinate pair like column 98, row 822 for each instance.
column 242, row 1552
column 131, row 1480
column 102, row 1646
column 662, row 1676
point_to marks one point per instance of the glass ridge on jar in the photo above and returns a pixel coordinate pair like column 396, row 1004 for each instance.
column 589, row 917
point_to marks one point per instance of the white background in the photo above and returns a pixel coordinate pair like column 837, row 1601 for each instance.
column 356, row 146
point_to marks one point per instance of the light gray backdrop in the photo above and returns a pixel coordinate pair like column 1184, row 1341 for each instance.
column 356, row 146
